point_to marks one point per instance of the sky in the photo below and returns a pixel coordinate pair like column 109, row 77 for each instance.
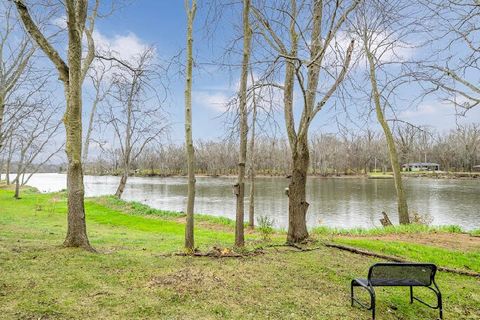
column 162, row 24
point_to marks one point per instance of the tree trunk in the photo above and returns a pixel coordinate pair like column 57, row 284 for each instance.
column 121, row 185
column 392, row 150
column 247, row 35
column 7, row 171
column 190, row 151
column 86, row 144
column 72, row 76
column 9, row 162
column 251, row 207
column 77, row 229
column 17, row 187
column 2, row 112
column 297, row 202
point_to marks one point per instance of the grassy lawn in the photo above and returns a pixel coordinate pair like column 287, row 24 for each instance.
column 131, row 278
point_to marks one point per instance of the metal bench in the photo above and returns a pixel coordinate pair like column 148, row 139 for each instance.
column 399, row 275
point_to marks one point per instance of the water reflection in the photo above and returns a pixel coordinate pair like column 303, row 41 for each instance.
column 350, row 202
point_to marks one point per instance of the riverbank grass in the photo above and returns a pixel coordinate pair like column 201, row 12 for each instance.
column 133, row 276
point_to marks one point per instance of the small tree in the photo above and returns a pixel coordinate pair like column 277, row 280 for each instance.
column 72, row 73
column 240, row 186
column 133, row 110
column 34, row 141
column 381, row 30
column 189, row 149
column 98, row 75
column 251, row 201
column 15, row 55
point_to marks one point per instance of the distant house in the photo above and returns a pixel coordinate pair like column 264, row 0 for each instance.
column 421, row 166
column 476, row 168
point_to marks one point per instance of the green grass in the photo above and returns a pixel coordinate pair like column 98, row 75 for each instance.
column 378, row 231
column 137, row 208
column 421, row 253
column 131, row 278
column 380, row 175
column 475, row 232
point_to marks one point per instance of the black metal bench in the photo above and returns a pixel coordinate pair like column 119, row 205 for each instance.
column 399, row 275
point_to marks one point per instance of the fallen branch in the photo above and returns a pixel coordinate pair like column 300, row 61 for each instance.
column 216, row 253
column 291, row 245
column 397, row 259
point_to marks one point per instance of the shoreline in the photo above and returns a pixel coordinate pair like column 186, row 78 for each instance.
column 387, row 175
column 142, row 209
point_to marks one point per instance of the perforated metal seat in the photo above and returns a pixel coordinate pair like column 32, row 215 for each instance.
column 391, row 282
column 399, row 275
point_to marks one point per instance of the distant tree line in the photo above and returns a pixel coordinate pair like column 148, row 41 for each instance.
column 331, row 154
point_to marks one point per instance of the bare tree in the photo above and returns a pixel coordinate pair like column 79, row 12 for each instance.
column 333, row 154
column 323, row 22
column 15, row 54
column 251, row 198
column 72, row 74
column 34, row 141
column 243, row 119
column 98, row 75
column 468, row 145
column 454, row 52
column 190, row 151
column 8, row 150
column 134, row 110
column 382, row 28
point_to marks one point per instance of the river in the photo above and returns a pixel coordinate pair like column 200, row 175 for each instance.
column 334, row 202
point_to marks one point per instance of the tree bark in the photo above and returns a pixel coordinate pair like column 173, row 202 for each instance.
column 251, row 206
column 247, row 36
column 9, row 162
column 2, row 112
column 297, row 202
column 190, row 151
column 402, row 206
column 121, row 185
column 77, row 229
column 86, row 144
column 17, row 187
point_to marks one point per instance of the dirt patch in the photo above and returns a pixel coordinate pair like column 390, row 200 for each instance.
column 188, row 280
column 456, row 241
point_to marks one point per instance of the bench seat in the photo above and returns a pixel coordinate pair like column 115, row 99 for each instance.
column 389, row 283
column 399, row 275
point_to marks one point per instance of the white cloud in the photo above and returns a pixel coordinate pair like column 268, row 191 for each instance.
column 421, row 111
column 216, row 101
column 391, row 50
column 125, row 47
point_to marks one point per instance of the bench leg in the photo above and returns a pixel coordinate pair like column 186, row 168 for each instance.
column 372, row 299
column 351, row 292
column 440, row 307
column 438, row 294
column 372, row 303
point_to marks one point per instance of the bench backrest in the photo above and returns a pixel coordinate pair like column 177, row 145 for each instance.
column 421, row 273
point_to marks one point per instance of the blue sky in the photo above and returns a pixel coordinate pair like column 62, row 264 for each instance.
column 162, row 24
